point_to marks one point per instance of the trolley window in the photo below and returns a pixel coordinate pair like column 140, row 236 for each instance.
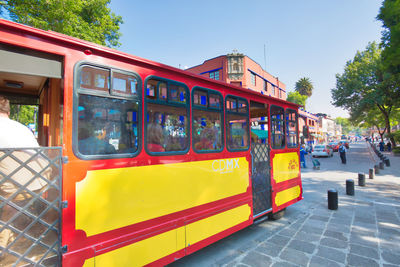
column 278, row 129
column 291, row 128
column 166, row 117
column 207, row 115
column 237, row 123
column 107, row 113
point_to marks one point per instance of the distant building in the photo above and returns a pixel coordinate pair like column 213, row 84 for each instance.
column 327, row 127
column 308, row 127
column 240, row 70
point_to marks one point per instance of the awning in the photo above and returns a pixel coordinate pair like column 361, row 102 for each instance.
column 262, row 134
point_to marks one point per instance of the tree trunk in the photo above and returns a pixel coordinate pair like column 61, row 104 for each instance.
column 387, row 123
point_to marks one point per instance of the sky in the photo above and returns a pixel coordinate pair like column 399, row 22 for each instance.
column 308, row 38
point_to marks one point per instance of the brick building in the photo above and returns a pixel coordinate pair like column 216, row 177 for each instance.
column 240, row 70
column 308, row 127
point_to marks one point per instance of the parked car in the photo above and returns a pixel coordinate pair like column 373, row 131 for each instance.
column 334, row 146
column 322, row 151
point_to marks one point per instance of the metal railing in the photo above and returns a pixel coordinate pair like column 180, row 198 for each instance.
column 30, row 206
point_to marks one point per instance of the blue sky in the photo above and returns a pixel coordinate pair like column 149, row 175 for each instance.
column 308, row 38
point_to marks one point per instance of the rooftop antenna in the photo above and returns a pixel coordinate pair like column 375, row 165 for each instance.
column 265, row 60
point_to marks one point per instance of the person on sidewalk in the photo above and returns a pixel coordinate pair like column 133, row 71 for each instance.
column 303, row 152
column 389, row 146
column 342, row 152
column 381, row 146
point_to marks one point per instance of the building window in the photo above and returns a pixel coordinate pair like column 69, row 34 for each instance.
column 273, row 90
column 214, row 75
column 265, row 86
column 253, row 78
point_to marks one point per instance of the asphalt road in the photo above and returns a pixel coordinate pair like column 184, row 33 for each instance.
column 364, row 231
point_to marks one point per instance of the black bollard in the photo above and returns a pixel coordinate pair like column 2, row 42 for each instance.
column 387, row 162
column 332, row 199
column 350, row 187
column 361, row 179
column 381, row 165
column 376, row 167
column 371, row 173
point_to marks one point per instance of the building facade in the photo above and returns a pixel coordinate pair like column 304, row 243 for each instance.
column 308, row 127
column 240, row 70
column 327, row 128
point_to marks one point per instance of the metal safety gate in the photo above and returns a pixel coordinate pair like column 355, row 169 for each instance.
column 30, row 206
column 261, row 179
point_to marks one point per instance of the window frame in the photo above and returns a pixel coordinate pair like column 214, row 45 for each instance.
column 166, row 102
column 208, row 108
column 246, row 115
column 253, row 78
column 77, row 91
column 287, row 127
column 272, row 128
column 213, row 74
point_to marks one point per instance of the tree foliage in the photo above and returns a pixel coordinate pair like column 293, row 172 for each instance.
column 296, row 97
column 304, row 86
column 363, row 87
column 390, row 16
column 89, row 20
column 22, row 113
column 347, row 125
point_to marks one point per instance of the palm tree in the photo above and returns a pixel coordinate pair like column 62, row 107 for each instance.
column 304, row 86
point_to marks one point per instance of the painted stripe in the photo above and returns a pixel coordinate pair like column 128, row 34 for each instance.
column 159, row 246
column 144, row 252
column 287, row 195
column 113, row 198
column 210, row 226
column 286, row 166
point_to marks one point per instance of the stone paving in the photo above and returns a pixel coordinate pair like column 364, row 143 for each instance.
column 364, row 231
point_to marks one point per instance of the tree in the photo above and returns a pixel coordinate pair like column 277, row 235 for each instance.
column 304, row 86
column 296, row 97
column 389, row 14
column 89, row 20
column 25, row 114
column 372, row 118
column 363, row 86
column 346, row 125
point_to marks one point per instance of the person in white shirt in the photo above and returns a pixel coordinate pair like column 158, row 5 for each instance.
column 15, row 135
column 12, row 133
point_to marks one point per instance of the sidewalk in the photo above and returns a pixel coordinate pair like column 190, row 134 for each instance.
column 364, row 231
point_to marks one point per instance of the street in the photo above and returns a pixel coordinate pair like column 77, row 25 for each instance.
column 364, row 231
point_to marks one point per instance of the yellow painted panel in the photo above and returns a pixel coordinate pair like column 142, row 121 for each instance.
column 203, row 229
column 89, row 263
column 114, row 198
column 145, row 251
column 286, row 166
column 287, row 195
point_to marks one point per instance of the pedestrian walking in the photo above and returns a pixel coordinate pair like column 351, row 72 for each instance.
column 303, row 152
column 389, row 146
column 381, row 146
column 342, row 152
